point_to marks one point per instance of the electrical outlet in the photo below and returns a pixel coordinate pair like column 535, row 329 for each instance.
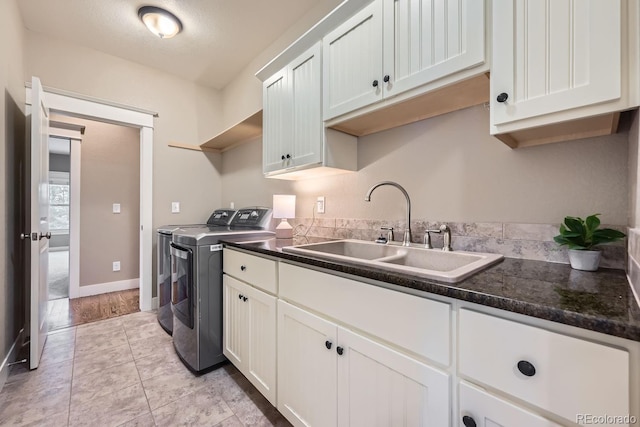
column 320, row 204
column 175, row 207
column 116, row 208
column 116, row 265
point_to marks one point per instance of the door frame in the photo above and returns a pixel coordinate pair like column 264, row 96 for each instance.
column 75, row 139
column 79, row 106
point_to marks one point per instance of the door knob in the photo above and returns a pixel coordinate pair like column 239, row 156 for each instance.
column 28, row 236
column 46, row 235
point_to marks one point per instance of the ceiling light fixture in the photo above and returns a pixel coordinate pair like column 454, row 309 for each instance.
column 160, row 22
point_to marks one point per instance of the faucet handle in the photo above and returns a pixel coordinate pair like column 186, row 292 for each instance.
column 446, row 245
column 427, row 238
column 389, row 231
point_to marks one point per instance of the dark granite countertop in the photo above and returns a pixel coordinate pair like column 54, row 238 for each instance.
column 600, row 301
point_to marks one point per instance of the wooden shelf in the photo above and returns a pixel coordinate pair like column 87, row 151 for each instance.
column 249, row 128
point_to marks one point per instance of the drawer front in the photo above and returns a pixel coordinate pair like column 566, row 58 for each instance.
column 562, row 374
column 487, row 410
column 420, row 325
column 257, row 271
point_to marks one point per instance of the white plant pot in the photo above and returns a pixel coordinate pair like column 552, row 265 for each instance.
column 584, row 260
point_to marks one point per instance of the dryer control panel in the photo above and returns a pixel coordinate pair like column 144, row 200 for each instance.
column 257, row 217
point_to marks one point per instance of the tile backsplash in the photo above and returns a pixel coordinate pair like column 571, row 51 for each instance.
column 513, row 240
column 633, row 261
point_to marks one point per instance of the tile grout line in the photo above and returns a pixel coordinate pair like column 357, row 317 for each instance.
column 139, row 377
column 73, row 367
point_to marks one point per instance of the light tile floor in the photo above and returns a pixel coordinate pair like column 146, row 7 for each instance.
column 124, row 371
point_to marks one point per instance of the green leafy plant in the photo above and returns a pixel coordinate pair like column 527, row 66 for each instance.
column 584, row 234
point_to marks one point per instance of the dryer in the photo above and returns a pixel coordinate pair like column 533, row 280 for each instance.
column 219, row 217
column 196, row 285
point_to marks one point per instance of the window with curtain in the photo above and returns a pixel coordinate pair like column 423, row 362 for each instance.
column 59, row 202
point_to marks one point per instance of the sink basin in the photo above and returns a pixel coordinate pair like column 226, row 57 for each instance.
column 347, row 248
column 450, row 267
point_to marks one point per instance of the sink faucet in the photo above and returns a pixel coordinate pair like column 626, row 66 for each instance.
column 406, row 240
column 446, row 244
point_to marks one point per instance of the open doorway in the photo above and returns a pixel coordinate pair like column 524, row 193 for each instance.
column 94, row 214
column 59, row 218
column 79, row 106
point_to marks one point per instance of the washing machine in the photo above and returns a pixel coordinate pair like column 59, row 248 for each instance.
column 196, row 285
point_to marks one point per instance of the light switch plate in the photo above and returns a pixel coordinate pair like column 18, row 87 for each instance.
column 175, row 207
column 116, row 208
column 320, row 205
column 116, row 265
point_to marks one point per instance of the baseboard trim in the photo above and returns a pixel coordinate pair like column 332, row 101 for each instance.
column 103, row 288
column 10, row 357
column 154, row 303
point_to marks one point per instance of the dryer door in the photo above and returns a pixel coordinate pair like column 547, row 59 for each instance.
column 182, row 284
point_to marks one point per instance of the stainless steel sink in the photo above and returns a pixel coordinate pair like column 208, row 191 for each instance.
column 450, row 267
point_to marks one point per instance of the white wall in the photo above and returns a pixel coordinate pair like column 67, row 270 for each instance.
column 243, row 96
column 12, row 175
column 188, row 114
column 454, row 171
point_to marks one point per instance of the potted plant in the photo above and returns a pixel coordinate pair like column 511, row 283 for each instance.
column 581, row 236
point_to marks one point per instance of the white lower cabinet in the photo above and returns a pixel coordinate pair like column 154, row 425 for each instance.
column 250, row 334
column 378, row 386
column 307, row 367
column 481, row 409
column 328, row 375
column 353, row 354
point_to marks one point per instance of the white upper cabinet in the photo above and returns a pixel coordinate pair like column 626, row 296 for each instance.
column 292, row 117
column 276, row 120
column 558, row 61
column 294, row 137
column 305, row 76
column 546, row 58
column 425, row 40
column 393, row 46
column 353, row 62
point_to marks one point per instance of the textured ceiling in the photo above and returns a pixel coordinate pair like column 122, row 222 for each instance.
column 220, row 37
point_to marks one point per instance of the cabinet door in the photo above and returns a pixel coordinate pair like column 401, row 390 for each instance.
column 305, row 78
column 429, row 39
column 306, row 367
column 236, row 322
column 261, row 361
column 554, row 56
column 352, row 62
column 276, row 122
column 378, row 386
column 489, row 411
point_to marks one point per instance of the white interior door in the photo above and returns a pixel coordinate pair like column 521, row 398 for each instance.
column 39, row 221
